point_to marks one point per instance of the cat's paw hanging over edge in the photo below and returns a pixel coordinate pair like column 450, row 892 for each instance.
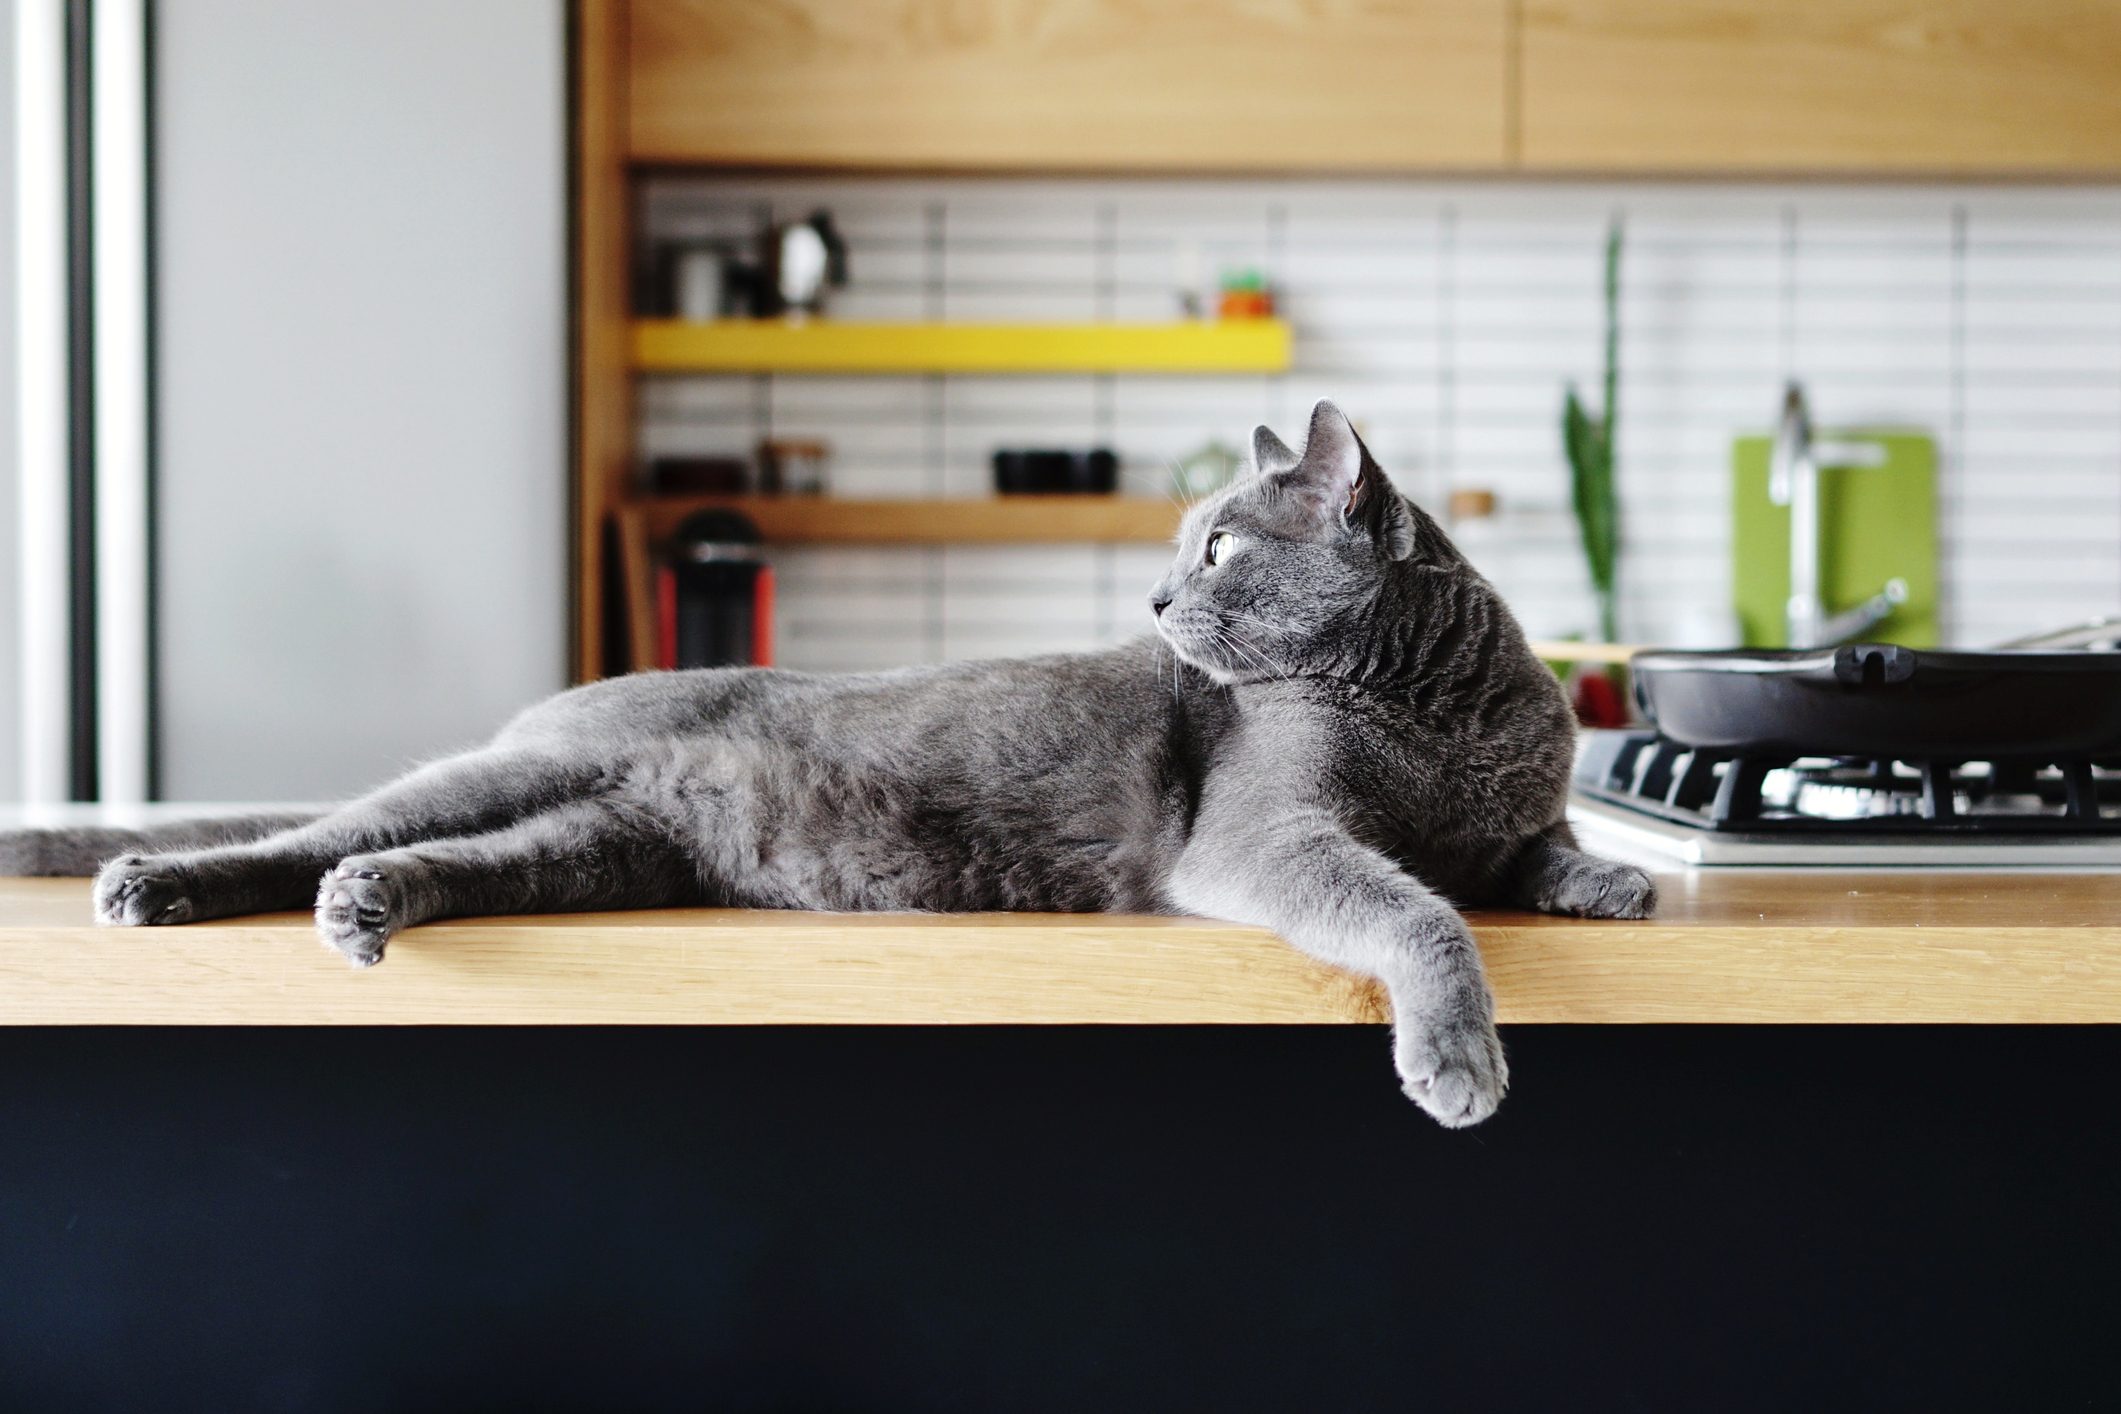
column 1455, row 1071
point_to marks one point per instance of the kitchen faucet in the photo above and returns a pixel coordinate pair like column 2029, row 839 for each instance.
column 1793, row 481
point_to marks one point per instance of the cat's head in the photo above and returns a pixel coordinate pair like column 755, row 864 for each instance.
column 1275, row 574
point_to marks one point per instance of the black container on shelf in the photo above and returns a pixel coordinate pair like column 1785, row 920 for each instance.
column 1029, row 472
column 717, row 595
column 698, row 476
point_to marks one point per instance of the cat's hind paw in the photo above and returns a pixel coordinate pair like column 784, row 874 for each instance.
column 359, row 906
column 135, row 891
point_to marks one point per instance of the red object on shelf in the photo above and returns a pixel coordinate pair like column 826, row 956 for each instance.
column 762, row 617
column 666, row 617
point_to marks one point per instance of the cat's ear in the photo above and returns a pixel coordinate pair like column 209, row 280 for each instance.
column 1269, row 452
column 1329, row 474
column 1340, row 480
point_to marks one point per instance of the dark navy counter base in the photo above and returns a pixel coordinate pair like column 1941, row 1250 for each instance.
column 1053, row 1219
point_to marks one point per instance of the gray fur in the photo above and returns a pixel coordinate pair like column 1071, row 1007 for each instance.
column 1339, row 734
column 72, row 851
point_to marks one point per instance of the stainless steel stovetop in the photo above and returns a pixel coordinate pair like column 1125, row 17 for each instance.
column 1620, row 833
column 1641, row 797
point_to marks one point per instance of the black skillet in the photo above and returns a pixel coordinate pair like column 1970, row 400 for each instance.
column 1874, row 699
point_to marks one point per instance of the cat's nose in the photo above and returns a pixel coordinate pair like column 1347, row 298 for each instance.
column 1158, row 603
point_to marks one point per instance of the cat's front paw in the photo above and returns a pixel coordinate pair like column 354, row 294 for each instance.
column 359, row 906
column 1600, row 888
column 135, row 891
column 1453, row 1068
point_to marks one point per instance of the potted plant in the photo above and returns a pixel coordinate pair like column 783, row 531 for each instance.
column 1589, row 445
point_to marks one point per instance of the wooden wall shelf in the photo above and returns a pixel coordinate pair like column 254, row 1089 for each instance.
column 826, row 346
column 991, row 520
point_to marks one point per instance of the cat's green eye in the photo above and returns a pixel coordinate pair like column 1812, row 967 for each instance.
column 1220, row 544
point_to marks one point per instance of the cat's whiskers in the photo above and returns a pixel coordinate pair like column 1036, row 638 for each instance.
column 1174, row 487
column 1230, row 650
column 1162, row 648
column 1245, row 645
column 1253, row 619
column 1263, row 623
column 1228, row 638
column 1195, row 626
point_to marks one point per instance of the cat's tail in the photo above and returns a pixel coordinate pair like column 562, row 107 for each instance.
column 79, row 851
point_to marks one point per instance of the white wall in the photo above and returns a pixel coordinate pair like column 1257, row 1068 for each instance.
column 1446, row 319
column 361, row 295
column 10, row 766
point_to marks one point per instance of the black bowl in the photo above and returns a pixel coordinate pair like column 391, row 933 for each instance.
column 1045, row 473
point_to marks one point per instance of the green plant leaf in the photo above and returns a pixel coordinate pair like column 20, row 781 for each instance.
column 1589, row 446
column 1590, row 487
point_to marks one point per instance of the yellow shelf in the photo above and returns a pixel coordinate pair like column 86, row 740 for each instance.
column 826, row 346
column 969, row 520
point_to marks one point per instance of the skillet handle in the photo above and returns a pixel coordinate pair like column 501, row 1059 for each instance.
column 1871, row 665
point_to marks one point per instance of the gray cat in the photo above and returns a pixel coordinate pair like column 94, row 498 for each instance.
column 1348, row 735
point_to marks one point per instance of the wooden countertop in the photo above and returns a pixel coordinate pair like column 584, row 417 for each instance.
column 1726, row 946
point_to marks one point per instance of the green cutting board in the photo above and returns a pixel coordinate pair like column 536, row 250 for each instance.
column 1878, row 522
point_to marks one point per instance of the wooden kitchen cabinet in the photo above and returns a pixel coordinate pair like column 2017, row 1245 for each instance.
column 1914, row 87
column 1886, row 87
column 1054, row 85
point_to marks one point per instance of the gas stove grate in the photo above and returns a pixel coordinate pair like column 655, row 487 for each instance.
column 1764, row 792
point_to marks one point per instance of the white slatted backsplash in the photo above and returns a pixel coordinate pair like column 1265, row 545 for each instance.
column 1446, row 318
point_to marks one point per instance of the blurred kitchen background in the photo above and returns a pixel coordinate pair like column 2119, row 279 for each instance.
column 1447, row 319
column 451, row 338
